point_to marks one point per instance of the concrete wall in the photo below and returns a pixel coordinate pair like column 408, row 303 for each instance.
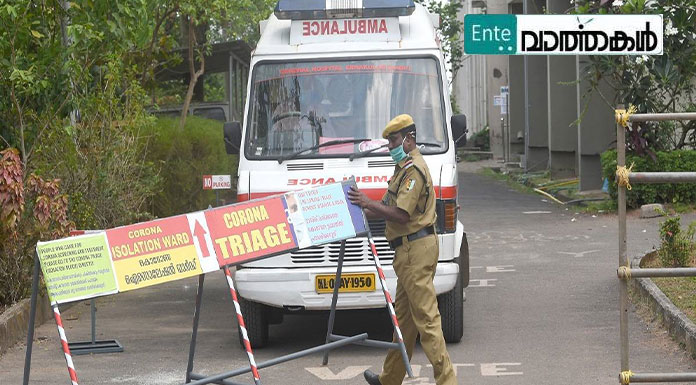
column 537, row 138
column 469, row 85
column 537, row 133
column 14, row 322
column 596, row 131
column 496, row 76
column 554, row 138
column 562, row 108
column 516, row 109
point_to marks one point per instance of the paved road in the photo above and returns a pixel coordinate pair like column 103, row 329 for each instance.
column 542, row 308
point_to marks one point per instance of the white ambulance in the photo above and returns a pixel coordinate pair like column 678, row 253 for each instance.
column 323, row 84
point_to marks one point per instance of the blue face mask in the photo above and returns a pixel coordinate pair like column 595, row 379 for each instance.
column 397, row 153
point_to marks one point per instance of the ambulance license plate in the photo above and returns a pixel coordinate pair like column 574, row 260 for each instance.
column 349, row 283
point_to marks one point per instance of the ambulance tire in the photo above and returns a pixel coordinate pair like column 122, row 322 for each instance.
column 256, row 322
column 451, row 306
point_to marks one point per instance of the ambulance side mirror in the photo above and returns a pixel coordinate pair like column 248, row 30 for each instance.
column 233, row 137
column 458, row 123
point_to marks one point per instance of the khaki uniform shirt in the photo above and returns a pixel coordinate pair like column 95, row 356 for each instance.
column 411, row 189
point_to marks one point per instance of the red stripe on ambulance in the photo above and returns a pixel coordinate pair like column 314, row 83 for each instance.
column 446, row 192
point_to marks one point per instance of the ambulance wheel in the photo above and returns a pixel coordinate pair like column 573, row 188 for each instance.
column 256, row 321
column 451, row 306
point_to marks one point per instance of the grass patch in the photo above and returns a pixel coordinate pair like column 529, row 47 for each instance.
column 680, row 290
column 597, row 207
column 563, row 190
column 509, row 179
column 681, row 208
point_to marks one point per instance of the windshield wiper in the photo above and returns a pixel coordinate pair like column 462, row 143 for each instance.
column 325, row 144
column 364, row 153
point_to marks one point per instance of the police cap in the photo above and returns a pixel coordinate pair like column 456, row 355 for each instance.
column 403, row 122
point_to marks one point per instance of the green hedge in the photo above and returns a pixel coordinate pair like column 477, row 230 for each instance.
column 183, row 157
column 481, row 139
column 678, row 160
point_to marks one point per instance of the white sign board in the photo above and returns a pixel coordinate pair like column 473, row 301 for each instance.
column 339, row 30
column 589, row 34
column 217, row 182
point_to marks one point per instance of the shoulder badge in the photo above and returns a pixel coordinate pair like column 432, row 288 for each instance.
column 411, row 183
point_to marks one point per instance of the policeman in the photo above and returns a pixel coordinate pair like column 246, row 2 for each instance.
column 408, row 207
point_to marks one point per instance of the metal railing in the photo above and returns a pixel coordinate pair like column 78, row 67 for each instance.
column 625, row 273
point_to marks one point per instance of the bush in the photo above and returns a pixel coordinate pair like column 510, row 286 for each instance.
column 183, row 157
column 100, row 160
column 676, row 245
column 29, row 211
column 678, row 160
column 481, row 139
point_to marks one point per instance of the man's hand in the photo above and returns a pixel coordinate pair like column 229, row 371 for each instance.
column 359, row 198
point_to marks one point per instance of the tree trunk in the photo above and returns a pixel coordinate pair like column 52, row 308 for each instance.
column 195, row 74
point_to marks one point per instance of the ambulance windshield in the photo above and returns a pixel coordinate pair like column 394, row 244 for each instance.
column 295, row 106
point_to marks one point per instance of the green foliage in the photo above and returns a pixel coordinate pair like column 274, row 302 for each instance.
column 653, row 84
column 243, row 20
column 73, row 82
column 451, row 30
column 678, row 160
column 101, row 160
column 31, row 211
column 676, row 246
column 183, row 157
column 215, row 87
column 481, row 139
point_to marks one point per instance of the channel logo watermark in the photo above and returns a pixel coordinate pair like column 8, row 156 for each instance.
column 563, row 34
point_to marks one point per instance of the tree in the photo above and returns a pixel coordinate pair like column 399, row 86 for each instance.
column 652, row 83
column 199, row 19
column 450, row 31
column 243, row 21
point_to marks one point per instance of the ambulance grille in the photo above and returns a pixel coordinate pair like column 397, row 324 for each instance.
column 357, row 253
column 305, row 166
column 357, row 250
column 380, row 163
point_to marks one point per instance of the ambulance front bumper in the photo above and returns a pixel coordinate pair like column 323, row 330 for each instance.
column 297, row 287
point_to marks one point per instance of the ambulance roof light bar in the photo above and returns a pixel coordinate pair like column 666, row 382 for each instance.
column 338, row 9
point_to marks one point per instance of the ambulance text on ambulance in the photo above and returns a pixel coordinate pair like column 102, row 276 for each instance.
column 342, row 27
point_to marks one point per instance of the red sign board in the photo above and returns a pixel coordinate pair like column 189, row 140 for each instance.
column 247, row 231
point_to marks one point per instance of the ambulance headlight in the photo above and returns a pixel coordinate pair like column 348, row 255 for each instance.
column 334, row 9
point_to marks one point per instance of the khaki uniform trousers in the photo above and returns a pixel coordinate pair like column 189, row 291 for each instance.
column 417, row 312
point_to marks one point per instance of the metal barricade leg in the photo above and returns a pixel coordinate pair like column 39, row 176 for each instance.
column 32, row 319
column 623, row 260
column 334, row 299
column 242, row 327
column 388, row 298
column 64, row 343
column 194, row 332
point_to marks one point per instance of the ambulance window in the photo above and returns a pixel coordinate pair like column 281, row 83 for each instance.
column 298, row 105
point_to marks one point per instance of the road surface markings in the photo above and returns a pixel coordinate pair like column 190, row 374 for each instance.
column 578, row 255
column 488, row 282
column 487, row 369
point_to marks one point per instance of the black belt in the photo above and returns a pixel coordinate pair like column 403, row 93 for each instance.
column 424, row 232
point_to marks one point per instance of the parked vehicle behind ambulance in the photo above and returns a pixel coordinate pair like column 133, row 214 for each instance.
column 323, row 84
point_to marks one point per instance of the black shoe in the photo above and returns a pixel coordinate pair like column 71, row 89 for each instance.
column 371, row 378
